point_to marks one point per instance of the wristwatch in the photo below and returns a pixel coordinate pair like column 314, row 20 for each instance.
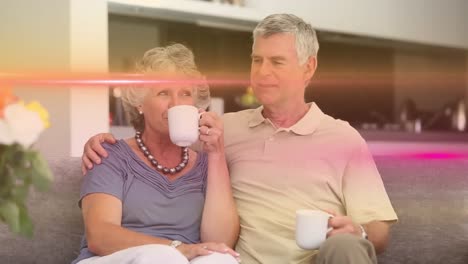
column 175, row 243
column 363, row 232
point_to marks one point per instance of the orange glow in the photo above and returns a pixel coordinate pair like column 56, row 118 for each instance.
column 6, row 97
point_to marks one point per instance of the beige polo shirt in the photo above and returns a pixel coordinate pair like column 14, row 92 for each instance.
column 318, row 163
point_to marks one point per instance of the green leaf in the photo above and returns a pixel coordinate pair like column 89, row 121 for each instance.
column 20, row 193
column 23, row 172
column 10, row 213
column 15, row 155
column 6, row 182
column 42, row 176
column 26, row 226
column 19, row 168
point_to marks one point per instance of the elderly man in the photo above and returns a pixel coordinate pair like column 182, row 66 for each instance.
column 288, row 155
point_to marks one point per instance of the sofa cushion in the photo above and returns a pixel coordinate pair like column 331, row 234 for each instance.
column 430, row 197
column 56, row 217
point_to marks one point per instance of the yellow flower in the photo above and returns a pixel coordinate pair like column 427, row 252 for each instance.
column 35, row 106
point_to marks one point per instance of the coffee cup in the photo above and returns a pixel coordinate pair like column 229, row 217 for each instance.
column 311, row 228
column 183, row 124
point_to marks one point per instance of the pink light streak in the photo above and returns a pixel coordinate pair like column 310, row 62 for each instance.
column 435, row 155
column 107, row 80
column 371, row 80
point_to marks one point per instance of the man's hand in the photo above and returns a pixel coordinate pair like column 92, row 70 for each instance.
column 377, row 231
column 343, row 225
column 93, row 150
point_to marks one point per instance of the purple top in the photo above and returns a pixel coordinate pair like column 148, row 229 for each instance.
column 151, row 204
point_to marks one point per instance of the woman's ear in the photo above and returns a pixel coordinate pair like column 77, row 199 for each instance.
column 140, row 109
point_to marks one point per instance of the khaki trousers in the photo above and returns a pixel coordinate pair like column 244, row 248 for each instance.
column 346, row 249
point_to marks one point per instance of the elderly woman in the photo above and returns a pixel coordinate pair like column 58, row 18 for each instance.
column 135, row 212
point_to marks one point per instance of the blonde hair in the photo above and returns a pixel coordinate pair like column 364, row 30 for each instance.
column 159, row 59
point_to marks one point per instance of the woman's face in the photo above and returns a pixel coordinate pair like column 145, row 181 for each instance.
column 162, row 97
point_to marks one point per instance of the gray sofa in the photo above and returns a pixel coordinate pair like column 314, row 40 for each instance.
column 430, row 197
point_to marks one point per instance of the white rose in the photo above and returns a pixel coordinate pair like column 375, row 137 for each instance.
column 20, row 125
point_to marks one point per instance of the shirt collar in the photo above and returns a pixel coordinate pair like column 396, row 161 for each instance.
column 256, row 118
column 309, row 122
column 305, row 126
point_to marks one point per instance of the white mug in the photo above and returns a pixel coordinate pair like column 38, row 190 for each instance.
column 311, row 228
column 183, row 124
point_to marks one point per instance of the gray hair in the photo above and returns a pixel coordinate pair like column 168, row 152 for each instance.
column 160, row 59
column 306, row 39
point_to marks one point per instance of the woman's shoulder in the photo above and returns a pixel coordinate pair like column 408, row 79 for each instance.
column 115, row 147
column 117, row 152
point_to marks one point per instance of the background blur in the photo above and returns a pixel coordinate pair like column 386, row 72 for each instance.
column 396, row 70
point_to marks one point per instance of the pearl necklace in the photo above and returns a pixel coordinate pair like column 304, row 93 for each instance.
column 159, row 167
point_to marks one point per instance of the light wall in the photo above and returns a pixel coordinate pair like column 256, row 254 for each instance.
column 36, row 39
column 59, row 36
column 88, row 54
column 432, row 22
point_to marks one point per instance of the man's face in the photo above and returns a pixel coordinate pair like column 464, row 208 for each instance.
column 276, row 76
